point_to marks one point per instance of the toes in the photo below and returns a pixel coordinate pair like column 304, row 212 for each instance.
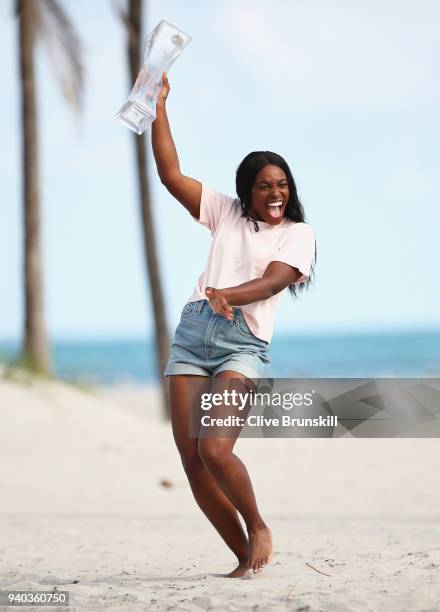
column 261, row 564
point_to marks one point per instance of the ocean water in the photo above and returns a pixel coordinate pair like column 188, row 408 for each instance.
column 400, row 354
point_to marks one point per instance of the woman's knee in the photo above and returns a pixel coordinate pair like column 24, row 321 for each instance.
column 192, row 464
column 212, row 452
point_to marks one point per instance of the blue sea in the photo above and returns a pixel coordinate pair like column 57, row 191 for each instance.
column 400, row 354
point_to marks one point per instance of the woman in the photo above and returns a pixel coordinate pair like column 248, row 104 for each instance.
column 261, row 246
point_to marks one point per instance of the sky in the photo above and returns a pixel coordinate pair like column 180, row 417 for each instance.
column 347, row 91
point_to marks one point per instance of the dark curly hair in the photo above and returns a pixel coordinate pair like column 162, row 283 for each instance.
column 244, row 181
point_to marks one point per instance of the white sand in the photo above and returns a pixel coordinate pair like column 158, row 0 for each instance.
column 82, row 509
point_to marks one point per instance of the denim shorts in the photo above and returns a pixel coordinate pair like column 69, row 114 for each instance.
column 206, row 343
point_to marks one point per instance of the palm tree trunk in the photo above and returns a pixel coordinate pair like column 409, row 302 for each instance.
column 36, row 347
column 162, row 343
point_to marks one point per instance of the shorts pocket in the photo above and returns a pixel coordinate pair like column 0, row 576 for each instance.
column 245, row 331
column 188, row 309
column 243, row 327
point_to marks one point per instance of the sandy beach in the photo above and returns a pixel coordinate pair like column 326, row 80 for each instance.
column 84, row 509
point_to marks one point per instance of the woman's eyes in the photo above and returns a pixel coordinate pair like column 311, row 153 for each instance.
column 282, row 185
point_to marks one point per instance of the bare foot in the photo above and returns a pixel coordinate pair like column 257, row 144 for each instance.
column 260, row 542
column 239, row 571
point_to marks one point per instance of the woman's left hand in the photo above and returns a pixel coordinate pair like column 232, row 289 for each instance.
column 218, row 303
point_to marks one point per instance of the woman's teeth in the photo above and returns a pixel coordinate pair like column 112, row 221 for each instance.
column 274, row 209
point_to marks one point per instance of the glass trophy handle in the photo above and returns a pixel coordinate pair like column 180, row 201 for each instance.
column 161, row 48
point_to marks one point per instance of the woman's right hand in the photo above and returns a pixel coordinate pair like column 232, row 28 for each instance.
column 163, row 94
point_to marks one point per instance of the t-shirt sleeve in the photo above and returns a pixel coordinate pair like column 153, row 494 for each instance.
column 214, row 208
column 298, row 250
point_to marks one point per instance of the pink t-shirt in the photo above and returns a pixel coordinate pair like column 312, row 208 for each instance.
column 239, row 254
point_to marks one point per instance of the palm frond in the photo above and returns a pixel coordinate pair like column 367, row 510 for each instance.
column 62, row 43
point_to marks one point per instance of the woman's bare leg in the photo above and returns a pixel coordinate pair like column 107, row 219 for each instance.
column 185, row 394
column 231, row 474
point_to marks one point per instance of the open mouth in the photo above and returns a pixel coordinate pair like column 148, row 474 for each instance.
column 274, row 209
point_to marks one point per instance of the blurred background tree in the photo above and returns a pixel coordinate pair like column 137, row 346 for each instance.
column 44, row 20
column 132, row 18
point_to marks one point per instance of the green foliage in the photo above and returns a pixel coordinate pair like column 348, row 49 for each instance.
column 24, row 370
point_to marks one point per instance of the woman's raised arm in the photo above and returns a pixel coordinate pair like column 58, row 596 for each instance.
column 186, row 190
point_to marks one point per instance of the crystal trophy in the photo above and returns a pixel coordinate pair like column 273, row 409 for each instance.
column 162, row 47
